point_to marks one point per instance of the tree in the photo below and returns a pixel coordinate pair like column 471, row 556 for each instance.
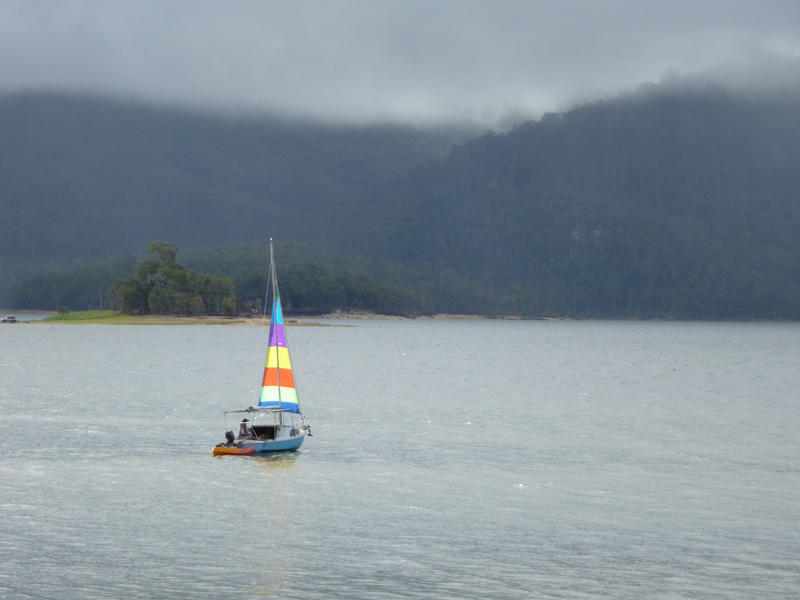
column 165, row 253
column 129, row 296
column 197, row 306
column 229, row 306
column 160, row 285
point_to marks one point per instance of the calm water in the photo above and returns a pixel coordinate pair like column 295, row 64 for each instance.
column 461, row 459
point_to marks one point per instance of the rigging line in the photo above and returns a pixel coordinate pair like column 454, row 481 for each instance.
column 285, row 335
column 274, row 326
column 266, row 292
column 266, row 300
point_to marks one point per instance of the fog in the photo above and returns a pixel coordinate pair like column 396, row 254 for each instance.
column 411, row 61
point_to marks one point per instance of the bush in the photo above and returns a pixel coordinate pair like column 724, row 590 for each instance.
column 229, row 306
column 197, row 306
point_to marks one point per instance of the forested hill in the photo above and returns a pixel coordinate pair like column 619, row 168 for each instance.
column 87, row 176
column 660, row 204
column 655, row 204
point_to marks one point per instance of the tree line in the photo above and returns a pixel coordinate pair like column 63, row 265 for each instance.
column 234, row 282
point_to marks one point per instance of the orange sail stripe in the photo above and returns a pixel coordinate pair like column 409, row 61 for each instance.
column 271, row 377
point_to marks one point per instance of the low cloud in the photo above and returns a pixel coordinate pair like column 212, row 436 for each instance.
column 371, row 60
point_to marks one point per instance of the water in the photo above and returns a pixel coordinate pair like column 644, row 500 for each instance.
column 458, row 459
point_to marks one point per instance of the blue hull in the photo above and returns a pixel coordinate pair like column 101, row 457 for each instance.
column 276, row 446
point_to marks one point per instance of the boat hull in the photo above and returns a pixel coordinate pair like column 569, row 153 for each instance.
column 246, row 447
column 234, row 450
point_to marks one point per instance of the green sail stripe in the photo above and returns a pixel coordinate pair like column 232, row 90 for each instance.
column 269, row 395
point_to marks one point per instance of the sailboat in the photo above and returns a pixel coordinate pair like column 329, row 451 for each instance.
column 276, row 423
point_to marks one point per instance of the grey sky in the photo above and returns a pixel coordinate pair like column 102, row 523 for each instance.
column 408, row 60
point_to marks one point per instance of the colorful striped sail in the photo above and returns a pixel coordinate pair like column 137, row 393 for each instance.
column 277, row 386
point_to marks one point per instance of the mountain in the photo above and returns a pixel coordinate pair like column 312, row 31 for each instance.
column 86, row 178
column 658, row 204
column 675, row 203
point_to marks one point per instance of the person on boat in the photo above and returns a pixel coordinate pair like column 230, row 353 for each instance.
column 243, row 429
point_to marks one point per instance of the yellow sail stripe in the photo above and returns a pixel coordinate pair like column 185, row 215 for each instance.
column 281, row 357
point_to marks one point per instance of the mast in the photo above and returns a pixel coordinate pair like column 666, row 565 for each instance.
column 275, row 304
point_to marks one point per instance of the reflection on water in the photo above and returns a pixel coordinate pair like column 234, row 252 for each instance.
column 269, row 460
column 277, row 460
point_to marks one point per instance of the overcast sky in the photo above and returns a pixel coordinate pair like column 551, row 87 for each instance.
column 406, row 60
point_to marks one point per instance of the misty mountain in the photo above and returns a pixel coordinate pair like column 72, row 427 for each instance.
column 665, row 203
column 661, row 203
column 87, row 176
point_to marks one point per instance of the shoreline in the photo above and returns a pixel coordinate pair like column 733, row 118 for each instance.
column 363, row 315
column 111, row 318
column 174, row 320
column 307, row 320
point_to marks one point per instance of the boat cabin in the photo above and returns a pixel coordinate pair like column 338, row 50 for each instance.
column 266, row 424
column 265, row 432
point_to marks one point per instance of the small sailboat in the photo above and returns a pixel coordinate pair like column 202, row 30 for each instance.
column 276, row 423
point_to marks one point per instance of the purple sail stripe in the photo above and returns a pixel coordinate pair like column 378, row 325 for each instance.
column 277, row 336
